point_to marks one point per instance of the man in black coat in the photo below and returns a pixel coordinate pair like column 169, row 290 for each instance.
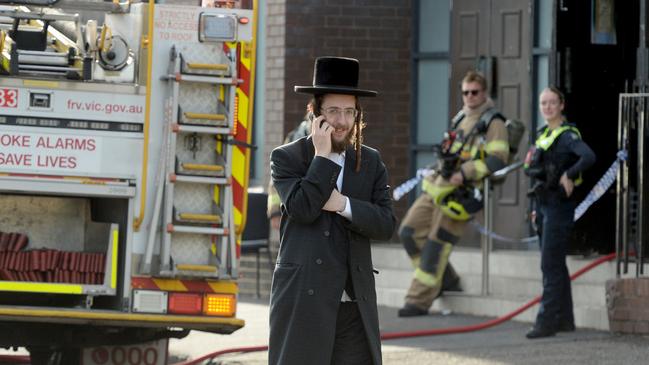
column 335, row 198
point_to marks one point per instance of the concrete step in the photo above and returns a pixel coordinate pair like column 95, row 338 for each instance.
column 522, row 264
column 587, row 294
column 390, row 256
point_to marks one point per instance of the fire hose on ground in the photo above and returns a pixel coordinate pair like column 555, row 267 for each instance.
column 422, row 333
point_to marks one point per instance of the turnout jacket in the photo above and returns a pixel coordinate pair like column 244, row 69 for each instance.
column 487, row 152
column 484, row 154
column 319, row 249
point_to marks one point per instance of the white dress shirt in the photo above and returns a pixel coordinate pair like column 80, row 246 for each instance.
column 339, row 159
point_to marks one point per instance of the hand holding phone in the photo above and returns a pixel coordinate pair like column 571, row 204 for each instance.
column 321, row 135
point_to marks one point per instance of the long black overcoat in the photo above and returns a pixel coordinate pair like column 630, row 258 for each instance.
column 311, row 271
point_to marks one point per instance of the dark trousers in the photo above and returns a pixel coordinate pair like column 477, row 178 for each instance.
column 350, row 346
column 556, row 218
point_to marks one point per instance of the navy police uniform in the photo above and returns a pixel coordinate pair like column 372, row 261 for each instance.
column 557, row 151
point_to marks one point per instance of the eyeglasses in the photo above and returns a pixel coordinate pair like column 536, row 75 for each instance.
column 335, row 112
column 472, row 92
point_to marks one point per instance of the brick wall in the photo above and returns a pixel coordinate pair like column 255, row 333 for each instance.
column 628, row 305
column 274, row 82
column 378, row 34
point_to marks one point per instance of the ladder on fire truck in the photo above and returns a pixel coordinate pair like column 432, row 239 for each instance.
column 198, row 237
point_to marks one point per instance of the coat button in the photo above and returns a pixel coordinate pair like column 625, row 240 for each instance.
column 359, row 268
column 326, row 233
column 318, row 261
column 364, row 297
column 310, row 291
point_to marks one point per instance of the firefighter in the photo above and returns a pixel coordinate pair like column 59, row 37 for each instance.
column 555, row 164
column 477, row 145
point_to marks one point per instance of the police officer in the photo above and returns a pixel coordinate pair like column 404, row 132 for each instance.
column 436, row 220
column 555, row 163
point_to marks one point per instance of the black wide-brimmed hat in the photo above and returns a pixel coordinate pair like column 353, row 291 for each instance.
column 335, row 75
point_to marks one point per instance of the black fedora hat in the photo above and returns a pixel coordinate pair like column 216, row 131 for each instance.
column 335, row 75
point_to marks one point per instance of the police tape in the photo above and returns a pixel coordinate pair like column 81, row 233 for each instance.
column 595, row 193
column 410, row 184
column 485, row 232
column 602, row 185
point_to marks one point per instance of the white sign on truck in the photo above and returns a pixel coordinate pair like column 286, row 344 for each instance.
column 49, row 152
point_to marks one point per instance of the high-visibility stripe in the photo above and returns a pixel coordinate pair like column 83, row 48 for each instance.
column 243, row 132
column 201, row 268
column 113, row 266
column 208, row 66
column 497, row 146
column 238, row 188
column 169, row 285
column 425, row 278
column 481, row 169
column 175, row 285
column 242, row 127
column 244, row 74
column 41, row 83
column 55, row 288
column 547, row 138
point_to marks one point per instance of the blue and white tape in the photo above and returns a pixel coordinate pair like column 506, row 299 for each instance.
column 405, row 188
column 602, row 185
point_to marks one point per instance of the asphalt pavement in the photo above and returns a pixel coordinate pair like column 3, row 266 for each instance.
column 502, row 344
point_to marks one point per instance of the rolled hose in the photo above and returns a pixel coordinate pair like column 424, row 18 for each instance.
column 421, row 333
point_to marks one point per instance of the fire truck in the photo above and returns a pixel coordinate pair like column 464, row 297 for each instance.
column 125, row 130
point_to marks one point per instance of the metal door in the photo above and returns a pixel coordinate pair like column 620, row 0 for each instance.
column 494, row 36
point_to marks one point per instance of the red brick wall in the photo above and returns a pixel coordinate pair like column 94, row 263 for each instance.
column 274, row 81
column 628, row 305
column 378, row 34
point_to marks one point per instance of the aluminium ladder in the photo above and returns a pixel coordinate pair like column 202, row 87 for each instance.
column 198, row 225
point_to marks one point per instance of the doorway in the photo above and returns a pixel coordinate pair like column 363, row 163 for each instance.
column 493, row 36
column 595, row 58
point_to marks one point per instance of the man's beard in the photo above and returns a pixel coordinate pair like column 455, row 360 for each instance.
column 341, row 146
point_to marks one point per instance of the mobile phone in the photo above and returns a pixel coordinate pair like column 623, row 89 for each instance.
column 312, row 116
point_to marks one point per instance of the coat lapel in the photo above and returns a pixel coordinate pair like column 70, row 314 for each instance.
column 352, row 181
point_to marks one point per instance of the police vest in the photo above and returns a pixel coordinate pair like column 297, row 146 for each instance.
column 546, row 140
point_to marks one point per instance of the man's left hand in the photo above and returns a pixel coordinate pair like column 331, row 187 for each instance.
column 457, row 179
column 336, row 202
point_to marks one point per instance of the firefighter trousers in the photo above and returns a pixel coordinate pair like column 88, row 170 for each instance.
column 428, row 237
